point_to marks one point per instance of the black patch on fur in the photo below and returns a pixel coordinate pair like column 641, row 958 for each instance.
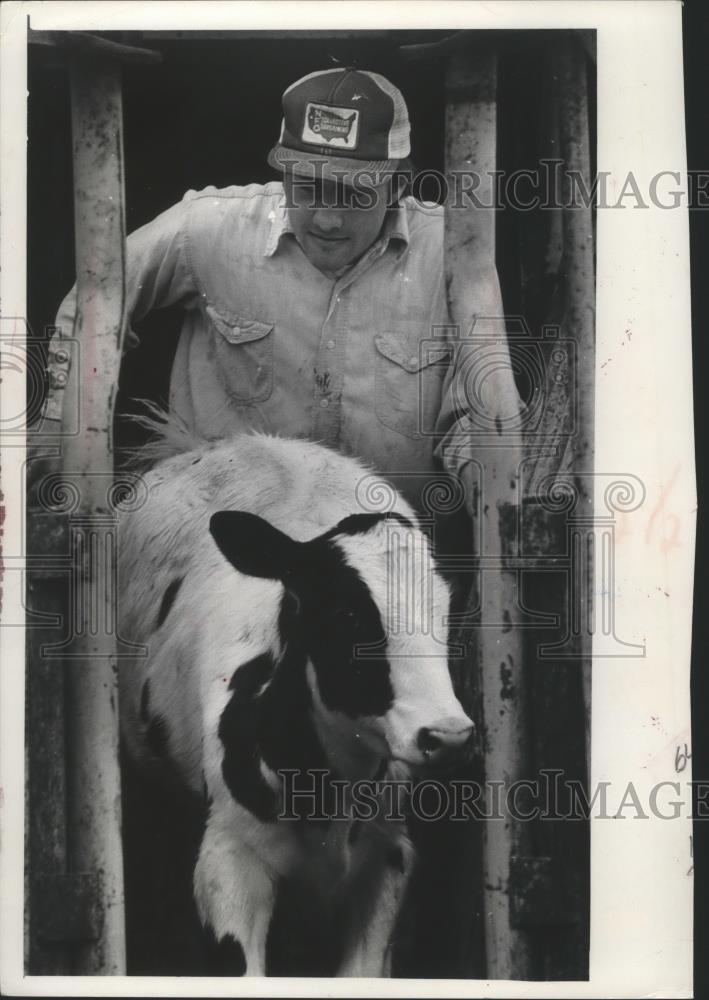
column 168, row 600
column 337, row 614
column 241, row 732
column 157, row 735
column 275, row 726
column 355, row 831
column 226, row 956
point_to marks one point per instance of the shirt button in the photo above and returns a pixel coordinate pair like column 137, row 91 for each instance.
column 331, row 345
column 324, row 403
column 413, row 360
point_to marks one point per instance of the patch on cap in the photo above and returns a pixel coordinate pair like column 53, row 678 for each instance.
column 338, row 127
column 342, row 119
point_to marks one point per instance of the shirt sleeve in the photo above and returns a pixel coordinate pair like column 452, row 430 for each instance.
column 479, row 420
column 158, row 274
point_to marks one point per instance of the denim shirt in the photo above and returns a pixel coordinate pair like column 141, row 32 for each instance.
column 362, row 362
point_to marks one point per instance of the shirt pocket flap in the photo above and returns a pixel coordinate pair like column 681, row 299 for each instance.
column 412, row 359
column 238, row 329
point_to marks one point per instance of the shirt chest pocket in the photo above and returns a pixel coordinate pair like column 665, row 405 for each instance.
column 243, row 350
column 409, row 376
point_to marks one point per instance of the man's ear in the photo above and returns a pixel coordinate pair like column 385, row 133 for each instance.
column 253, row 546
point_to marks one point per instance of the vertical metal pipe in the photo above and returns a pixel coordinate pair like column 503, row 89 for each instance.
column 471, row 137
column 94, row 804
column 578, row 266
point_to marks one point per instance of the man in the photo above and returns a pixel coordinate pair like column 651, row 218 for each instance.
column 314, row 307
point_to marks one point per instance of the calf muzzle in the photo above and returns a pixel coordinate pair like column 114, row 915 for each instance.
column 444, row 739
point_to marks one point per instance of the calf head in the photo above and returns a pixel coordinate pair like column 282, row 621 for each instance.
column 366, row 608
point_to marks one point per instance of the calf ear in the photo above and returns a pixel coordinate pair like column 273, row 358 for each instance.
column 253, row 546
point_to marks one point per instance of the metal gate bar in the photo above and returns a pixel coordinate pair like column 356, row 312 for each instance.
column 94, row 803
column 492, row 476
column 76, row 921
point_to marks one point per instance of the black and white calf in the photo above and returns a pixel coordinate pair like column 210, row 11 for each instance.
column 284, row 633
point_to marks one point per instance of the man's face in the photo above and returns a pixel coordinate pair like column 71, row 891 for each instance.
column 333, row 222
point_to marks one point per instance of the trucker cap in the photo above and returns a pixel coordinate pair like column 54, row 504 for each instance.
column 337, row 122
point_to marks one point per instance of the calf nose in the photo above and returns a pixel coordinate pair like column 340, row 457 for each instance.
column 444, row 737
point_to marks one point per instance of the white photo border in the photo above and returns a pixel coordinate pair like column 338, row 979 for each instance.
column 641, row 900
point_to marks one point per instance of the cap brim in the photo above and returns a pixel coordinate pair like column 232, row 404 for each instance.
column 317, row 166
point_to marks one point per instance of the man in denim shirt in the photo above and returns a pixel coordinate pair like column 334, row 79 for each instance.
column 315, row 307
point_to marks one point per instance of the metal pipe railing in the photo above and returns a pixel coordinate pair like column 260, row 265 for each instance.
column 579, row 266
column 492, row 475
column 94, row 802
column 76, row 908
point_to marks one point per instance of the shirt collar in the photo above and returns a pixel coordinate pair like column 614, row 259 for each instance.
column 396, row 228
column 278, row 226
